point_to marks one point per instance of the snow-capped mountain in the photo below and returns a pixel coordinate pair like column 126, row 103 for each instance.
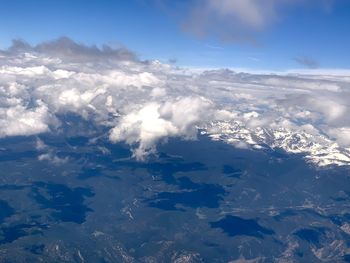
column 317, row 149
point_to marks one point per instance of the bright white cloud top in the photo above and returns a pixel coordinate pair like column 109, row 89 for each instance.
column 142, row 103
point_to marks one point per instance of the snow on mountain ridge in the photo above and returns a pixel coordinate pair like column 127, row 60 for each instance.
column 317, row 149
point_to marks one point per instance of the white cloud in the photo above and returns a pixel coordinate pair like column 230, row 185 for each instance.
column 331, row 109
column 342, row 135
column 18, row 120
column 52, row 158
column 155, row 121
column 144, row 103
column 158, row 92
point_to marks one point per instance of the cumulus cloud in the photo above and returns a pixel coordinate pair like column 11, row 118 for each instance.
column 155, row 121
column 19, row 118
column 142, row 103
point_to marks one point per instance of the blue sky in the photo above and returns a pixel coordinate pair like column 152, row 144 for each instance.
column 163, row 29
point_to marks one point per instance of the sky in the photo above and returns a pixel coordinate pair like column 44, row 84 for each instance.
column 246, row 34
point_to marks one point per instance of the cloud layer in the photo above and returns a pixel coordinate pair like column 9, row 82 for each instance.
column 143, row 103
